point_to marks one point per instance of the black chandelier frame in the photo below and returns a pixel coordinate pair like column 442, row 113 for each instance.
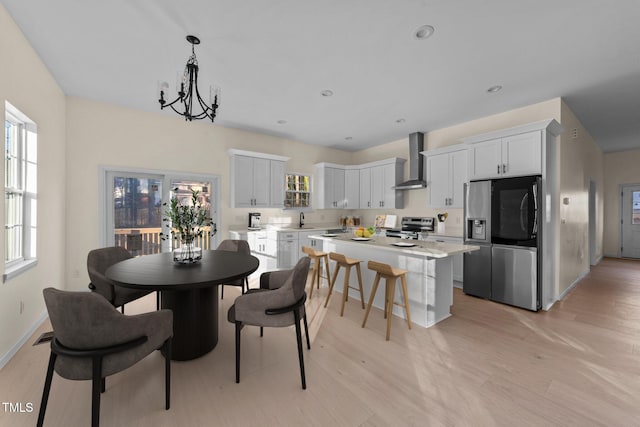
column 186, row 98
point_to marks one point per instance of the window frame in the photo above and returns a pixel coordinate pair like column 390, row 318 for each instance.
column 26, row 188
column 287, row 191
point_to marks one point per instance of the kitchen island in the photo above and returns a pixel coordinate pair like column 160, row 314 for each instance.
column 428, row 264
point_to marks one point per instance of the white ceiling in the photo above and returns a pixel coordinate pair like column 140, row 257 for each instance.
column 273, row 58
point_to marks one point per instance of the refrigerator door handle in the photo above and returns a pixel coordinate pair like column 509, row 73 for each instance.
column 535, row 209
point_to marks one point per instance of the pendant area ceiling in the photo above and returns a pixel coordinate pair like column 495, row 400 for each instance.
column 272, row 59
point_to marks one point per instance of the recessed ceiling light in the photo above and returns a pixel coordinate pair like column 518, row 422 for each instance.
column 326, row 92
column 349, row 138
column 281, row 122
column 424, row 32
column 400, row 121
column 494, row 89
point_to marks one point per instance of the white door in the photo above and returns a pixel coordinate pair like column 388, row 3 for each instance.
column 630, row 226
column 459, row 171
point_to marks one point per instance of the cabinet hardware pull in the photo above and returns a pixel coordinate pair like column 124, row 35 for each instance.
column 504, row 168
column 498, row 169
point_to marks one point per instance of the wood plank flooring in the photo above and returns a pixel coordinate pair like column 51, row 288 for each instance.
column 488, row 364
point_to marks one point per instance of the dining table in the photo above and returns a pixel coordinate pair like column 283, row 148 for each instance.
column 189, row 290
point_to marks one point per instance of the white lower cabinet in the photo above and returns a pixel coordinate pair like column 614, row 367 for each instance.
column 288, row 250
column 458, row 276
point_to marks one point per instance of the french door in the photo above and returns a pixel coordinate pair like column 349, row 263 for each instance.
column 630, row 222
column 134, row 208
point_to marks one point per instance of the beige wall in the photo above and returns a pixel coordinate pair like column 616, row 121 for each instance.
column 581, row 160
column 619, row 168
column 27, row 85
column 106, row 135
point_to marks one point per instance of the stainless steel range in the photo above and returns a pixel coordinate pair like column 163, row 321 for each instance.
column 412, row 226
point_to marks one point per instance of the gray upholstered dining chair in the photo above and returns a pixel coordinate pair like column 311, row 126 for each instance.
column 92, row 340
column 278, row 303
column 98, row 261
column 241, row 246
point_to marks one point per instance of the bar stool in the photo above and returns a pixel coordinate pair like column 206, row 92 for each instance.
column 347, row 263
column 390, row 275
column 317, row 257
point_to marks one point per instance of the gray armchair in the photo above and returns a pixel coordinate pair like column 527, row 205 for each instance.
column 92, row 340
column 278, row 303
column 241, row 246
column 98, row 261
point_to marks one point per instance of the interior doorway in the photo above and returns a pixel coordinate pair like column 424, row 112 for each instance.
column 630, row 221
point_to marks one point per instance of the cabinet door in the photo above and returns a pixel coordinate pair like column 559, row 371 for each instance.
column 458, row 171
column 388, row 184
column 365, row 188
column 352, row 189
column 485, row 159
column 377, row 187
column 338, row 188
column 276, row 193
column 261, row 182
column 438, row 180
column 329, row 185
column 288, row 253
column 522, row 154
column 304, row 240
column 243, row 181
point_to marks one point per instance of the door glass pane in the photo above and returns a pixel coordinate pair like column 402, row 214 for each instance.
column 183, row 190
column 298, row 191
column 137, row 214
column 635, row 206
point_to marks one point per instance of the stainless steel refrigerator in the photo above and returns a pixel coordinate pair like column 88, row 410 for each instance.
column 502, row 217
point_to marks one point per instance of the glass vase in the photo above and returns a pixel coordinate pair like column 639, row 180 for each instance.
column 187, row 253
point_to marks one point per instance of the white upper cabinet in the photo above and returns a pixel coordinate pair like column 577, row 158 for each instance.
column 352, row 188
column 514, row 155
column 257, row 179
column 366, row 186
column 446, row 174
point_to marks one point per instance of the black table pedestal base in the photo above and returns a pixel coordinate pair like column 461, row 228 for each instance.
column 195, row 321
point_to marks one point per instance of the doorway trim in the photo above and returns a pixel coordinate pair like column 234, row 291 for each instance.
column 593, row 220
column 167, row 176
column 621, row 188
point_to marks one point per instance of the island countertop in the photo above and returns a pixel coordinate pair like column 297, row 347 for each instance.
column 422, row 248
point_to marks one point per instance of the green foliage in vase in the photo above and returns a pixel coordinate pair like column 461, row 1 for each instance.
column 187, row 221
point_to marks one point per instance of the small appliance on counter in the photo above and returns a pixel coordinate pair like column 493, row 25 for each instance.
column 254, row 220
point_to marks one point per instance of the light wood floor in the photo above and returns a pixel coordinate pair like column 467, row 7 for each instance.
column 488, row 364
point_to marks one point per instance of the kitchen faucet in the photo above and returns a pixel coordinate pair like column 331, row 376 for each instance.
column 301, row 219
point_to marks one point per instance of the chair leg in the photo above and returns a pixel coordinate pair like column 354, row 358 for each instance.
column 95, row 391
column 306, row 330
column 47, row 388
column 314, row 276
column 296, row 315
column 376, row 281
column 331, row 283
column 345, row 290
column 167, row 373
column 238, row 328
column 360, row 284
column 392, row 295
column 326, row 269
column 246, row 283
column 407, row 310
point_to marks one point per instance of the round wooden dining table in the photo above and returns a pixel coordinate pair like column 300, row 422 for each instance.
column 189, row 290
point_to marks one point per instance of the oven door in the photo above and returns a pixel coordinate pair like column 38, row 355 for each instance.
column 514, row 211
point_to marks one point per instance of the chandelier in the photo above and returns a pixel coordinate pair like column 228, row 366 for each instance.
column 188, row 92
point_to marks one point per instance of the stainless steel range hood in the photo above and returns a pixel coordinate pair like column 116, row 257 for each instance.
column 416, row 164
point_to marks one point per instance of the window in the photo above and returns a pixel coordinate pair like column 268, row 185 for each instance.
column 298, row 191
column 20, row 192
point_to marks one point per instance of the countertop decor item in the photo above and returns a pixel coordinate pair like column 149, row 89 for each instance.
column 187, row 220
column 187, row 88
column 441, row 219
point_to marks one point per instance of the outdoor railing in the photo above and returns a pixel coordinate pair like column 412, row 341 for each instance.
column 146, row 241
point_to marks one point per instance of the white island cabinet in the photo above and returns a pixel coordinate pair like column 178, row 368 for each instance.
column 429, row 268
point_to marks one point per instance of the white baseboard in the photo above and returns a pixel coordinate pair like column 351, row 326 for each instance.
column 13, row 350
